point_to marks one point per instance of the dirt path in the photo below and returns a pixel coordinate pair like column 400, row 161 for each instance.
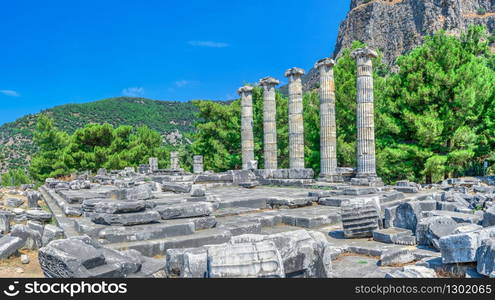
column 13, row 268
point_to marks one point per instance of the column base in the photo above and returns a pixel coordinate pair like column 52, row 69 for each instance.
column 367, row 180
column 331, row 178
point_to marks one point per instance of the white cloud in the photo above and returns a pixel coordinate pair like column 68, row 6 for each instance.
column 209, row 44
column 183, row 83
column 133, row 92
column 10, row 93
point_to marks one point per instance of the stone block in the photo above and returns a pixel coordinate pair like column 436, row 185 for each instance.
column 51, row 233
column 30, row 237
column 485, row 257
column 119, row 207
column 391, row 235
column 9, row 246
column 38, row 215
column 489, row 217
column 247, row 260
column 396, row 257
column 430, row 230
column 13, row 202
column 33, row 197
column 185, row 210
column 462, row 247
column 129, row 219
column 187, row 263
column 360, row 218
column 176, row 187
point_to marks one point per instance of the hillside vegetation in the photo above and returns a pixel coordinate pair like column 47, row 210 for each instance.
column 173, row 120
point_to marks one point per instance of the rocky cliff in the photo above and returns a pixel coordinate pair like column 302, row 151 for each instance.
column 396, row 26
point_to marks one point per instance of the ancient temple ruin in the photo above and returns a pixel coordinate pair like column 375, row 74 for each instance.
column 253, row 223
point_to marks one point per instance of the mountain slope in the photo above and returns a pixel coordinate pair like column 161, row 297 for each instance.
column 396, row 26
column 171, row 119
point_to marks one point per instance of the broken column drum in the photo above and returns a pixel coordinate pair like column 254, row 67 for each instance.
column 296, row 123
column 198, row 164
column 366, row 162
column 328, row 128
column 269, row 122
column 247, row 135
column 174, row 160
column 153, row 162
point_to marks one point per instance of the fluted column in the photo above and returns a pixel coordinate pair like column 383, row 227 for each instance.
column 296, row 121
column 269, row 122
column 247, row 136
column 174, row 160
column 153, row 162
column 198, row 164
column 366, row 165
column 328, row 128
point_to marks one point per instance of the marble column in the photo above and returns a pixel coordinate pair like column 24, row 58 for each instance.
column 247, row 136
column 366, row 166
column 198, row 164
column 269, row 122
column 174, row 160
column 328, row 128
column 296, row 123
column 153, row 162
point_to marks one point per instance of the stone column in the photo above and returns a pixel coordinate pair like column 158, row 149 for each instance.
column 296, row 123
column 247, row 136
column 328, row 128
column 153, row 161
column 269, row 122
column 174, row 160
column 198, row 164
column 366, row 166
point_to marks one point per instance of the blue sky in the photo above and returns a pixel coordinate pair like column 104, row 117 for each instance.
column 58, row 51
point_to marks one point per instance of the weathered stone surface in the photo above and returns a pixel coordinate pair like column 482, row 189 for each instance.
column 485, row 257
column 9, row 245
column 119, row 207
column 187, row 263
column 269, row 122
column 391, row 235
column 198, row 192
column 51, row 233
column 24, row 259
column 219, row 177
column 396, row 257
column 176, row 187
column 129, row 219
column 33, row 197
column 430, row 230
column 304, row 253
column 460, row 248
column 245, row 260
column 360, row 218
column 70, row 258
column 247, row 135
column 489, row 217
column 13, row 202
column 5, row 219
column 296, row 122
column 140, row 192
column 185, row 210
column 31, row 238
column 38, row 215
column 412, row 272
column 407, row 215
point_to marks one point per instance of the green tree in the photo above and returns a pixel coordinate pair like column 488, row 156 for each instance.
column 438, row 101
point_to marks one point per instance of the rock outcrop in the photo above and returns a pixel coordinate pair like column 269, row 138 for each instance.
column 396, row 26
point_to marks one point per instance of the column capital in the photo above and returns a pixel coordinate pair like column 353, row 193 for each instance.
column 294, row 72
column 325, row 62
column 245, row 89
column 364, row 52
column 269, row 82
